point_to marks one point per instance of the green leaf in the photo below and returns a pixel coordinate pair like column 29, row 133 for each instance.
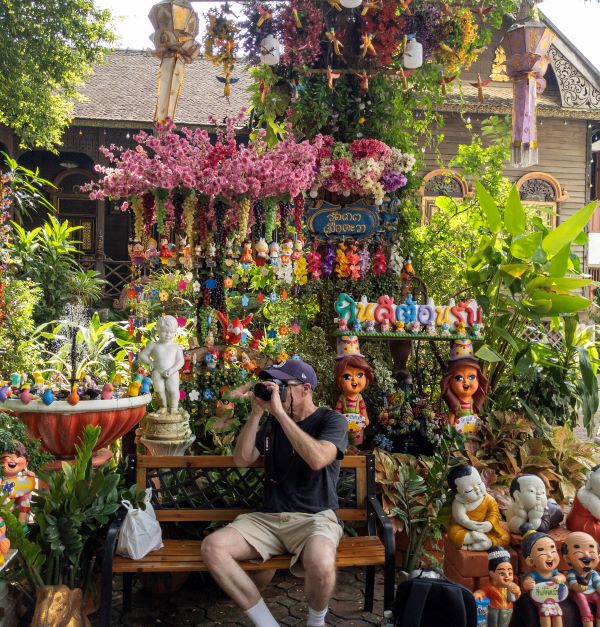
column 505, row 335
column 445, row 203
column 514, row 214
column 570, row 229
column 560, row 284
column 515, row 269
column 562, row 303
column 560, row 262
column 526, row 246
column 489, row 206
column 587, row 372
column 487, row 354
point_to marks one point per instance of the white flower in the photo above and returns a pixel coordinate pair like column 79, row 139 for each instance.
column 196, row 286
column 188, row 277
column 194, row 395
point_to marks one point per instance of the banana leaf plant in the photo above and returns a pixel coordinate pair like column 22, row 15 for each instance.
column 523, row 274
column 70, row 513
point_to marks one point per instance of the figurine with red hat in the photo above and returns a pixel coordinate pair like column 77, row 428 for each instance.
column 464, row 387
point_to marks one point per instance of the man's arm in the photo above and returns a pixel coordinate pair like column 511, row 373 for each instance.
column 245, row 446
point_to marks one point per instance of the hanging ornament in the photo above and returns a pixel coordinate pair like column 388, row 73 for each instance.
column 299, row 204
column 396, row 259
column 137, row 208
column 245, row 300
column 273, row 297
column 350, row 4
column 300, row 271
column 379, row 261
column 329, row 260
column 260, row 298
column 413, row 54
column 284, row 295
column 365, row 260
column 341, row 261
column 353, row 263
column 244, row 218
column 262, row 252
column 189, row 216
column 270, row 217
column 314, row 263
column 270, row 50
column 220, row 43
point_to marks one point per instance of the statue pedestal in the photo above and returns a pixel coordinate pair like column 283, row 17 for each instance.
column 167, row 434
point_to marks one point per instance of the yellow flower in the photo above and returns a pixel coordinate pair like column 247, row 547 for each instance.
column 163, row 296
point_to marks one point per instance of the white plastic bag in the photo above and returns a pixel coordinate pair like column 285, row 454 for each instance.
column 140, row 532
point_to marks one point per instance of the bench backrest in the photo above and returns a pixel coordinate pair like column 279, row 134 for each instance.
column 211, row 488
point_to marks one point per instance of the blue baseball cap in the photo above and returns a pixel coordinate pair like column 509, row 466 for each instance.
column 291, row 370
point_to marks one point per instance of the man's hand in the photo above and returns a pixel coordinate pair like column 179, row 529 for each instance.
column 274, row 406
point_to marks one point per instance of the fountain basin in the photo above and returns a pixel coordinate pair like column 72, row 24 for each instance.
column 59, row 426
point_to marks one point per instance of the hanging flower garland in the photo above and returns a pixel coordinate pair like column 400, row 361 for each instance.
column 387, row 29
column 220, row 43
column 189, row 211
column 137, row 208
column 302, row 26
column 457, row 48
column 260, row 21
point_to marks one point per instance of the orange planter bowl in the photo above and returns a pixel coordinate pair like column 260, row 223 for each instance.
column 59, row 426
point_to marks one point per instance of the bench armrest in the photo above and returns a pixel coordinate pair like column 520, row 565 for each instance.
column 388, row 531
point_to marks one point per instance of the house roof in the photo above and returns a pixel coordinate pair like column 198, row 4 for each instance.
column 123, row 91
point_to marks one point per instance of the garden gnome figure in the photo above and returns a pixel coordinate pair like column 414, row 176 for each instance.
column 464, row 387
column 585, row 513
column 166, row 358
column 531, row 504
column 475, row 522
column 501, row 590
column 581, row 553
column 544, row 583
column 352, row 375
column 17, row 482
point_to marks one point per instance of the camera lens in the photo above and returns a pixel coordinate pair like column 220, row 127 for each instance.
column 262, row 391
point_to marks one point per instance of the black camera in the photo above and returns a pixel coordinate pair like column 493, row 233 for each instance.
column 264, row 393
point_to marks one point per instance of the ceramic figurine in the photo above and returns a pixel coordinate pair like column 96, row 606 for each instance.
column 185, row 253
column 229, row 356
column 464, row 387
column 399, row 326
column 73, row 397
column 107, row 392
column 415, row 327
column 146, row 383
column 165, row 251
column 274, row 253
column 233, row 330
column 246, row 258
column 475, row 522
column 152, row 254
column 581, row 554
column 585, row 513
column 4, row 390
column 342, row 324
column 357, row 326
column 430, row 329
column 211, row 255
column 198, row 256
column 25, row 395
column 298, row 249
column 545, row 585
column 166, row 358
column 262, row 252
column 385, row 326
column 287, row 248
column 136, row 253
column 48, row 397
column 210, row 359
column 17, row 482
column 352, row 376
column 530, row 504
column 370, row 326
column 4, row 541
column 134, row 389
column 501, row 590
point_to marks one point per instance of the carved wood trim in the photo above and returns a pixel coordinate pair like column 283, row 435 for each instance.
column 560, row 195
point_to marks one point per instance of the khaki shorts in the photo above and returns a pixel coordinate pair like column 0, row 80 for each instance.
column 288, row 532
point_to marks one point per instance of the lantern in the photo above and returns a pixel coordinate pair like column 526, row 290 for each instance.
column 270, row 50
column 175, row 28
column 413, row 54
column 350, row 4
column 526, row 45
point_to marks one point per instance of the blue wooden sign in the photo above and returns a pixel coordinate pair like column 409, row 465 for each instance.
column 355, row 221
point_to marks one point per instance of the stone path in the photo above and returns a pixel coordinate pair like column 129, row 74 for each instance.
column 200, row 602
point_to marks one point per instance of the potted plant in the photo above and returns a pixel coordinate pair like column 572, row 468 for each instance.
column 57, row 558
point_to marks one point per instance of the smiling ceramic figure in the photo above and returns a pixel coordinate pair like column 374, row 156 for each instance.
column 17, row 483
column 581, row 554
column 531, row 504
column 464, row 387
column 352, row 375
column 544, row 583
column 475, row 522
column 501, row 590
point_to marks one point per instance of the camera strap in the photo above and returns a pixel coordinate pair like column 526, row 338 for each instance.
column 269, row 452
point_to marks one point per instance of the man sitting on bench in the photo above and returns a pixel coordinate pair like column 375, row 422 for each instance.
column 302, row 445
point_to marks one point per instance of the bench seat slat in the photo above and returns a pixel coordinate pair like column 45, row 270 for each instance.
column 209, row 515
column 185, row 556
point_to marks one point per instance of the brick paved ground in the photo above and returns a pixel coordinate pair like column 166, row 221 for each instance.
column 200, row 602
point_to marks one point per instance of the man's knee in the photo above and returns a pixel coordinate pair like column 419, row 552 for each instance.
column 215, row 547
column 320, row 564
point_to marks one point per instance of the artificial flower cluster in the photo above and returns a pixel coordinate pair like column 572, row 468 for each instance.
column 224, row 169
column 365, row 167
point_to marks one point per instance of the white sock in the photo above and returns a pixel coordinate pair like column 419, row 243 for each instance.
column 316, row 618
column 261, row 616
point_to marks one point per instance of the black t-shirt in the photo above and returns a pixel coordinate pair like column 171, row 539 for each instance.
column 291, row 486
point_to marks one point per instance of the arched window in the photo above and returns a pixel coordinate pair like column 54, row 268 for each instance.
column 543, row 192
column 440, row 183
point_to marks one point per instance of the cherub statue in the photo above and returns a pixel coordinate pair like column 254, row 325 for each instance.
column 166, row 358
column 475, row 523
column 530, row 504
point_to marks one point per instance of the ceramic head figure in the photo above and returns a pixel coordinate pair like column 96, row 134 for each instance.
column 530, row 504
column 352, row 376
column 501, row 590
column 464, row 385
column 475, row 524
column 580, row 551
column 543, row 582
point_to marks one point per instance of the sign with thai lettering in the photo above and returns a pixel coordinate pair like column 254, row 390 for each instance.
column 357, row 220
